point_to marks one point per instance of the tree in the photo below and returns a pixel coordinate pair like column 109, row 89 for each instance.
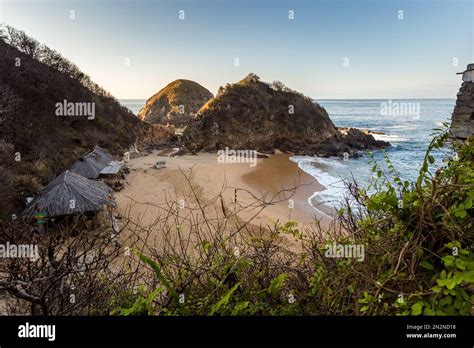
column 278, row 85
column 252, row 78
column 48, row 56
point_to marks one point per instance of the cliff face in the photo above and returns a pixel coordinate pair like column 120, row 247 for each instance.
column 176, row 104
column 257, row 116
column 462, row 120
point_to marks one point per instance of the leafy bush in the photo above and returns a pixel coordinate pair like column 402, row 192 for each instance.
column 417, row 237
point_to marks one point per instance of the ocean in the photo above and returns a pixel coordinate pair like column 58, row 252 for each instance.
column 133, row 104
column 407, row 124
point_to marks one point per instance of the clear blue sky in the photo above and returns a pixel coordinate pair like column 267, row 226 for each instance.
column 388, row 57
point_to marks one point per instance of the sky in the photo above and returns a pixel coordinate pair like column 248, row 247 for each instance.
column 340, row 49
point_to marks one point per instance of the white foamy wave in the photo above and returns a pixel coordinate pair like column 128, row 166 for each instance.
column 409, row 126
column 390, row 137
column 332, row 162
column 321, row 169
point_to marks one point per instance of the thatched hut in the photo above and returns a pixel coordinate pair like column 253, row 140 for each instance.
column 87, row 167
column 90, row 165
column 70, row 193
column 102, row 155
column 112, row 170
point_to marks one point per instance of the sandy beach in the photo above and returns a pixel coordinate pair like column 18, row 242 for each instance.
column 275, row 180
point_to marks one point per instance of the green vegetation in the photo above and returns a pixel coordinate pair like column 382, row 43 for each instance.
column 36, row 145
column 431, row 223
column 417, row 236
column 418, row 255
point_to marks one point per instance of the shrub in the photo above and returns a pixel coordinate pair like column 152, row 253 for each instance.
column 418, row 259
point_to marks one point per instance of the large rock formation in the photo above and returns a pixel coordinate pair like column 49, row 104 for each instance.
column 176, row 104
column 257, row 116
column 462, row 120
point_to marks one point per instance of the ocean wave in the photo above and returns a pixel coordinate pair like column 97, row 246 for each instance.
column 323, row 169
column 390, row 137
column 409, row 126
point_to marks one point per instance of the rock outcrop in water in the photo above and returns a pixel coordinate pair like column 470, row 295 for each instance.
column 176, row 104
column 258, row 116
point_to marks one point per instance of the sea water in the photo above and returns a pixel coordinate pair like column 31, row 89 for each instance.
column 134, row 105
column 408, row 132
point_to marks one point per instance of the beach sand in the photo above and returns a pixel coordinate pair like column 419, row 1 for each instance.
column 148, row 189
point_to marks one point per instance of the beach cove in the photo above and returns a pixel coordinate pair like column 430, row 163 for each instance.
column 275, row 179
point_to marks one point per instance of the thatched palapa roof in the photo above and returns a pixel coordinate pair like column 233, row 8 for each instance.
column 102, row 155
column 70, row 193
column 113, row 168
column 90, row 165
column 87, row 167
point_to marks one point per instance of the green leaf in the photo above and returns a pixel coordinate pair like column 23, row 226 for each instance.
column 442, row 282
column 239, row 307
column 160, row 276
column 429, row 311
column 460, row 264
column 276, row 284
column 448, row 260
column 224, row 300
column 417, row 308
column 426, row 265
column 468, row 277
column 451, row 283
column 458, row 278
column 464, row 294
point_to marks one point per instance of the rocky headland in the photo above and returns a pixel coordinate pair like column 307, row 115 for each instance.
column 176, row 104
column 255, row 115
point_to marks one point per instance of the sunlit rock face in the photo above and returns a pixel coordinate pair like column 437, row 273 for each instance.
column 254, row 115
column 176, row 104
